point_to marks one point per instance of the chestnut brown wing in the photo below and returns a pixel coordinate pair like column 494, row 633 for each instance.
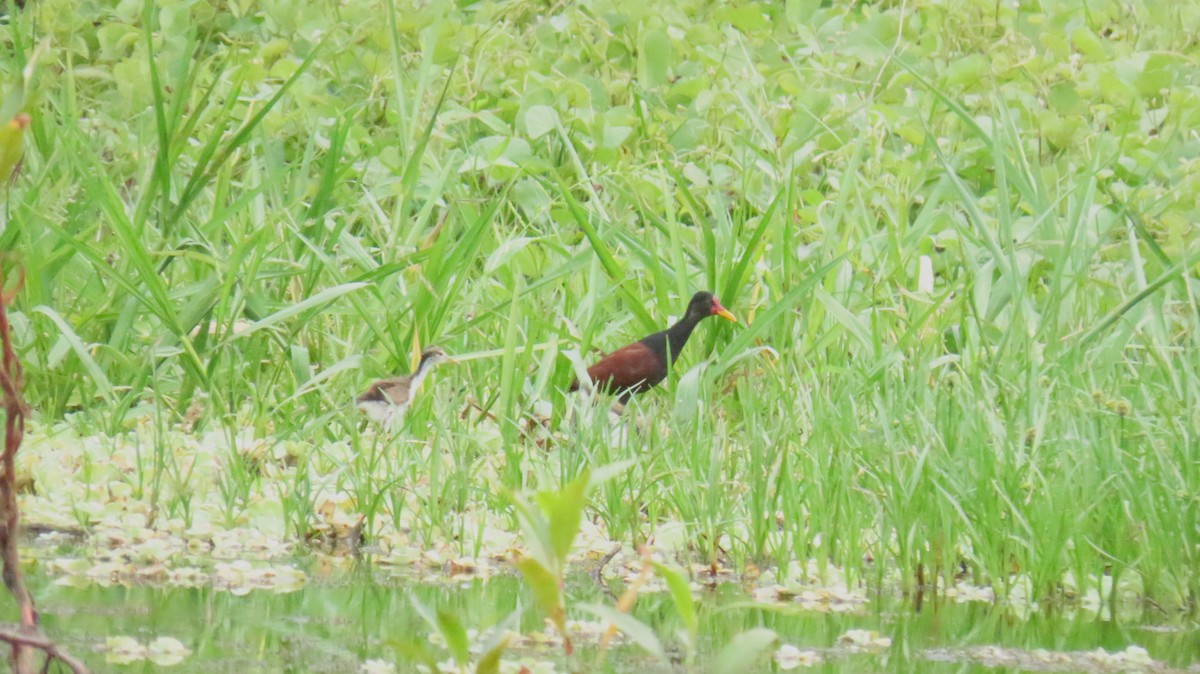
column 635, row 367
column 391, row 391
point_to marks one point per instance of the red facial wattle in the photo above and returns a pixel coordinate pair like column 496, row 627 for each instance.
column 718, row 310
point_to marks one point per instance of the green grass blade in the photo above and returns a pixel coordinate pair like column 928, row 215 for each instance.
column 103, row 386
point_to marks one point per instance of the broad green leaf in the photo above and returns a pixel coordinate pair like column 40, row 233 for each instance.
column 681, row 595
column 615, row 135
column 536, row 531
column 547, row 593
column 540, row 120
column 1089, row 44
column 564, row 511
column 800, row 11
column 654, row 58
column 747, row 18
column 1158, row 75
column 687, row 394
column 455, row 635
column 966, row 71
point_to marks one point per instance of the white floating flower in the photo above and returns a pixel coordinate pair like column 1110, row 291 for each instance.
column 766, row 595
column 790, row 657
column 123, row 650
column 167, row 651
column 1136, row 655
column 865, row 639
column 377, row 667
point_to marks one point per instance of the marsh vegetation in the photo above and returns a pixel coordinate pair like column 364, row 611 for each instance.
column 960, row 237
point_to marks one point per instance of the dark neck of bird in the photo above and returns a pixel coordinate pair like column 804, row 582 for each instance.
column 677, row 335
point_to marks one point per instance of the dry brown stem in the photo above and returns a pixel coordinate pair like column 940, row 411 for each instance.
column 26, row 639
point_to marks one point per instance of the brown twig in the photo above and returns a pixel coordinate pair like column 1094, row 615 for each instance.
column 597, row 573
column 26, row 639
column 52, row 651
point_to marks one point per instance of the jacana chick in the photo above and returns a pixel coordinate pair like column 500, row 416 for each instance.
column 640, row 366
column 386, row 401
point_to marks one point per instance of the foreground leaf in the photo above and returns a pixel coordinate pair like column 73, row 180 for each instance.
column 638, row 631
column 455, row 635
column 681, row 595
column 564, row 511
column 547, row 593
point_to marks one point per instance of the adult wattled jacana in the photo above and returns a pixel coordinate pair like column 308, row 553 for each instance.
column 387, row 400
column 642, row 365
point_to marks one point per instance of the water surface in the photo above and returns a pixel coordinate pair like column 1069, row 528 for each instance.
column 340, row 619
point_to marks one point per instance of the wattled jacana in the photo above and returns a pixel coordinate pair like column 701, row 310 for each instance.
column 386, row 401
column 642, row 365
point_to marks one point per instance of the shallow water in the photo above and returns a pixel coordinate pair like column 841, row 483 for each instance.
column 340, row 619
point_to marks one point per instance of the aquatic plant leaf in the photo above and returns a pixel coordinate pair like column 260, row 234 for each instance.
column 745, row 649
column 681, row 594
column 535, row 530
column 654, row 58
column 633, row 628
column 564, row 511
column 540, row 120
column 455, row 635
column 547, row 592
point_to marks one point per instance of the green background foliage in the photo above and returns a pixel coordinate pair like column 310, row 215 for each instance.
column 235, row 214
